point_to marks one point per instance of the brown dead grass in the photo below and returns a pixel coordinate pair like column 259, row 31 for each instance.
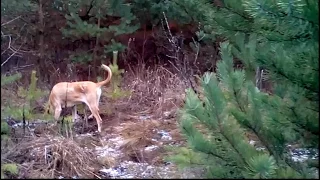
column 53, row 156
column 154, row 90
column 138, row 135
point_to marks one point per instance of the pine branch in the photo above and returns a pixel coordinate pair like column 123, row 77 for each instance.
column 303, row 126
column 283, row 14
column 293, row 80
column 248, row 18
column 235, row 93
column 234, row 148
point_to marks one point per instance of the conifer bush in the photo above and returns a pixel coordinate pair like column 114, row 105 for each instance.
column 282, row 38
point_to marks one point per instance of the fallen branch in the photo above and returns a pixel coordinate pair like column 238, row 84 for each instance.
column 10, row 21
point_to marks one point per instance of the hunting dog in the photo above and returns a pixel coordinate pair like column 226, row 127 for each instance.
column 69, row 94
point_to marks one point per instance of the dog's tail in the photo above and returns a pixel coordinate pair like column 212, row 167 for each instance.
column 102, row 83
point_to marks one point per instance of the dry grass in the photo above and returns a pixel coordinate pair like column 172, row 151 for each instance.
column 137, row 136
column 157, row 89
column 157, row 94
column 51, row 157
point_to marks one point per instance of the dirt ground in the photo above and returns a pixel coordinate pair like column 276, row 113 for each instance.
column 135, row 131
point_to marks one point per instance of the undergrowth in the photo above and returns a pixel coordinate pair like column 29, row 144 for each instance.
column 29, row 95
column 9, row 168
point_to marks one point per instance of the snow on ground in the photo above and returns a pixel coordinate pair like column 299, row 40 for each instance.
column 129, row 169
column 165, row 135
column 111, row 148
column 303, row 154
column 150, row 148
column 297, row 155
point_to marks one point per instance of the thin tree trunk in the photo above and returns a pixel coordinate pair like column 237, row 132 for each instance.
column 95, row 53
column 41, row 60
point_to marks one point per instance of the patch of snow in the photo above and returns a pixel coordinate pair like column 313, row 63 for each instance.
column 17, row 125
column 31, row 125
column 165, row 135
column 150, row 148
column 147, row 172
column 84, row 135
column 117, row 140
column 111, row 149
column 303, row 154
column 169, row 114
column 60, row 177
column 107, row 151
column 35, row 151
column 252, row 142
column 111, row 172
column 126, row 169
column 260, row 148
column 144, row 117
column 129, row 169
column 300, row 158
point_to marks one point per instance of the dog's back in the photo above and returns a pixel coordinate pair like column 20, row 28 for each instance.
column 72, row 93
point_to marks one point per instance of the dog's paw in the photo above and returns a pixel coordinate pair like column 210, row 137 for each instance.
column 96, row 133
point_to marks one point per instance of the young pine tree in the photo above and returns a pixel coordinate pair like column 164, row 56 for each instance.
column 282, row 37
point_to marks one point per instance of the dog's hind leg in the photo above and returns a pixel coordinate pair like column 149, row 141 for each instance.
column 98, row 100
column 95, row 112
column 92, row 104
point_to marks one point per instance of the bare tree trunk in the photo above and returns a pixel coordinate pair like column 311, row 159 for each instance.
column 95, row 53
column 41, row 60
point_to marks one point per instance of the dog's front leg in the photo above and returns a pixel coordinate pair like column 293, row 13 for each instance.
column 57, row 112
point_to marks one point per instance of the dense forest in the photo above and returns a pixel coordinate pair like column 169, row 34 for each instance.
column 199, row 88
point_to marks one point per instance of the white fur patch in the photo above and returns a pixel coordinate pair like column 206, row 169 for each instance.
column 99, row 91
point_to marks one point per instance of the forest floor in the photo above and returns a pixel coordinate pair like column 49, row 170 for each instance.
column 136, row 132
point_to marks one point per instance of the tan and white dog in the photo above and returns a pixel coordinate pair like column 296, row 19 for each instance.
column 69, row 94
